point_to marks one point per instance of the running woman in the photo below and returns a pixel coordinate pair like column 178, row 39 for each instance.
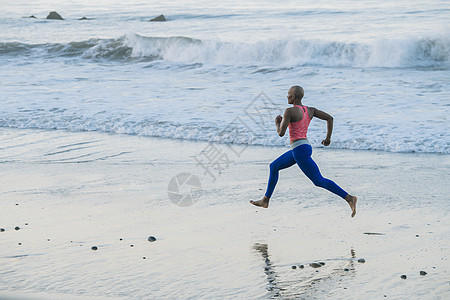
column 297, row 118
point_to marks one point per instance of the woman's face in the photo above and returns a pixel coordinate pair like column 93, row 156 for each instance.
column 290, row 97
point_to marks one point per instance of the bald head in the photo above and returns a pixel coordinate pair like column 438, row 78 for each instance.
column 297, row 91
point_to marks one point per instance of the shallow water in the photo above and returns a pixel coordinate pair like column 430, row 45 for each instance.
column 381, row 69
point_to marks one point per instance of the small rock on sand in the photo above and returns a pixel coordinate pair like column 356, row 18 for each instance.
column 151, row 239
column 403, row 277
column 346, row 270
column 322, row 263
column 159, row 18
column 315, row 265
column 294, row 267
column 301, row 266
column 2, row 229
column 94, row 248
column 53, row 15
column 17, row 228
column 361, row 260
column 423, row 273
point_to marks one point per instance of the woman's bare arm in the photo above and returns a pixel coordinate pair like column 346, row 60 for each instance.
column 324, row 116
column 282, row 123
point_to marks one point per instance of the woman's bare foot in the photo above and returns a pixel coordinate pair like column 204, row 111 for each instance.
column 351, row 200
column 264, row 202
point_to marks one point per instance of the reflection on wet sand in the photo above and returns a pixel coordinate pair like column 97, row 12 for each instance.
column 272, row 286
column 305, row 280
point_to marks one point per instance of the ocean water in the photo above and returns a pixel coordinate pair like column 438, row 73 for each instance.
column 220, row 72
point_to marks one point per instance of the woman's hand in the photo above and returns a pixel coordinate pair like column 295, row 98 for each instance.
column 326, row 142
column 278, row 119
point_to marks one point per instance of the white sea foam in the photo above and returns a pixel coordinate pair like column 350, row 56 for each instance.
column 191, row 76
column 389, row 53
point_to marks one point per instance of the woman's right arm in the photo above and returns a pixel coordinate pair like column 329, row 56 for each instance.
column 324, row 116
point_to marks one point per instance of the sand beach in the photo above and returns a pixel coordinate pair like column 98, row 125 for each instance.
column 67, row 193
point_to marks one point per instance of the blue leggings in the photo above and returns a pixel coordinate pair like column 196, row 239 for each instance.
column 302, row 156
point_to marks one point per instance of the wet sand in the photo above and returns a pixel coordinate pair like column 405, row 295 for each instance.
column 69, row 192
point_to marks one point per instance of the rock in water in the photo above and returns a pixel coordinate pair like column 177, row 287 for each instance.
column 53, row 15
column 159, row 18
column 151, row 239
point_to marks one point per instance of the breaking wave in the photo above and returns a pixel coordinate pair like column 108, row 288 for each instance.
column 386, row 53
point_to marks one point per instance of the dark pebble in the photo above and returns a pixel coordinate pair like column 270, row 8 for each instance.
column 301, row 266
column 315, row 265
column 144, row 257
column 346, row 270
column 322, row 263
column 361, row 260
column 120, row 239
column 403, row 277
column 294, row 267
column 48, row 240
column 17, row 228
column 2, row 229
column 20, row 244
column 17, row 204
column 423, row 273
column 131, row 245
column 26, row 224
column 94, row 248
column 151, row 239
column 417, row 235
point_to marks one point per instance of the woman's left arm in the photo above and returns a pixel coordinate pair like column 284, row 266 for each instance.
column 282, row 123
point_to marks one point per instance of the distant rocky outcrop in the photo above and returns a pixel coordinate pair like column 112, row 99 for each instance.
column 53, row 15
column 159, row 18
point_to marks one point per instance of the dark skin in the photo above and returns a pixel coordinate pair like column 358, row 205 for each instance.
column 295, row 114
